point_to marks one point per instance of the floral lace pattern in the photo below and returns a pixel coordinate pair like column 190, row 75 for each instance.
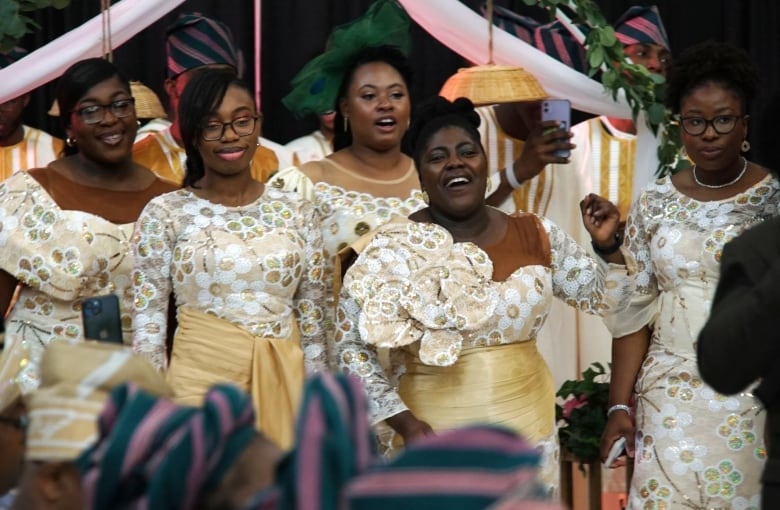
column 695, row 448
column 61, row 257
column 259, row 266
column 412, row 256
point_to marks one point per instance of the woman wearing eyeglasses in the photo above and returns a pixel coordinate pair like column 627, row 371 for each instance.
column 692, row 447
column 65, row 229
column 243, row 260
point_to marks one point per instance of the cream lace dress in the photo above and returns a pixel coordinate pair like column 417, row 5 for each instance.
column 695, row 448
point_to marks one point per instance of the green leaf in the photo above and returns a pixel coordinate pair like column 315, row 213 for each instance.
column 14, row 25
column 656, row 113
column 596, row 56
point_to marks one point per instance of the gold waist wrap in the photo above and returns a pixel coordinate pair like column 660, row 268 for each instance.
column 507, row 385
column 209, row 350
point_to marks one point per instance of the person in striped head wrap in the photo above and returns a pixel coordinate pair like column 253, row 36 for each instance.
column 155, row 454
column 334, row 465
column 22, row 147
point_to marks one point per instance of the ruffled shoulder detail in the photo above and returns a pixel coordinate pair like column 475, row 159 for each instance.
column 413, row 283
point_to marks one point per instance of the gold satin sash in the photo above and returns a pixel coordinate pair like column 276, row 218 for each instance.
column 209, row 350
column 507, row 385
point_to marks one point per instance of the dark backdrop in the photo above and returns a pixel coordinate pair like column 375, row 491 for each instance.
column 293, row 31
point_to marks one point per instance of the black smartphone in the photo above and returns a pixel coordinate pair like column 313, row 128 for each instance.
column 560, row 110
column 102, row 319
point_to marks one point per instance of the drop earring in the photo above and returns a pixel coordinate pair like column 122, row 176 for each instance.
column 745, row 145
column 425, row 197
column 346, row 123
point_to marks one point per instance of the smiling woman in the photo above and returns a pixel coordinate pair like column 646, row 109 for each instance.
column 65, row 229
column 243, row 260
column 458, row 292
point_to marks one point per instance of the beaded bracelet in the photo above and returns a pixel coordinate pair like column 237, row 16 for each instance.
column 511, row 178
column 619, row 407
column 604, row 252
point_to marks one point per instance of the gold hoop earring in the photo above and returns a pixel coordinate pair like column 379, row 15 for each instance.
column 70, row 142
column 745, row 145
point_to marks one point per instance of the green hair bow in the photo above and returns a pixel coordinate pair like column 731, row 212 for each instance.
column 315, row 87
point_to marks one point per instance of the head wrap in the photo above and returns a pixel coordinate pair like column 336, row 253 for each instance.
column 642, row 25
column 466, row 468
column 195, row 40
column 6, row 59
column 153, row 453
column 12, row 360
column 76, row 380
column 333, row 445
column 553, row 38
column 315, row 87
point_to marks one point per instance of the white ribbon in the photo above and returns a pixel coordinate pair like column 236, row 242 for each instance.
column 128, row 17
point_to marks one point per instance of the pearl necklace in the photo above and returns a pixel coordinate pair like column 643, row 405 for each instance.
column 718, row 186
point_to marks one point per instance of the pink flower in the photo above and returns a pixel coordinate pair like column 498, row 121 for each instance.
column 574, row 403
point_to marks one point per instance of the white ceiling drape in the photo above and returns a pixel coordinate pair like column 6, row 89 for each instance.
column 128, row 17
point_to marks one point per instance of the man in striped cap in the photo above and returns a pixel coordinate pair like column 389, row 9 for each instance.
column 22, row 147
column 195, row 42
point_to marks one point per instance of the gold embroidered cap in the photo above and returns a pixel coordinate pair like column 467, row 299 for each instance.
column 76, row 380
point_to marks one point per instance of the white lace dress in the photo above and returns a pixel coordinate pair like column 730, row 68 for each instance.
column 258, row 266
column 695, row 448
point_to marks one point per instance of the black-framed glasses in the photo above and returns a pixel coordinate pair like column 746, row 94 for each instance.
column 20, row 423
column 241, row 126
column 95, row 113
column 722, row 124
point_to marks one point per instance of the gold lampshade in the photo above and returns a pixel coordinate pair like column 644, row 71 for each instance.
column 492, row 84
column 147, row 104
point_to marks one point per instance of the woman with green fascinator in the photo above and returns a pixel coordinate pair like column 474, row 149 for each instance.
column 365, row 76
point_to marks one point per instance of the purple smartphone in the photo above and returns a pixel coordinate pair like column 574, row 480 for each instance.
column 560, row 110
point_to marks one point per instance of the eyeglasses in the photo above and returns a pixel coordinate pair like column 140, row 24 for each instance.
column 242, row 126
column 95, row 113
column 20, row 423
column 722, row 124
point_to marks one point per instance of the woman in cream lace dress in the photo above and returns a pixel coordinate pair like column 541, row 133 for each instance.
column 458, row 293
column 692, row 447
column 65, row 229
column 243, row 261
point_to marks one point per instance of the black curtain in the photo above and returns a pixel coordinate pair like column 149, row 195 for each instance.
column 293, row 31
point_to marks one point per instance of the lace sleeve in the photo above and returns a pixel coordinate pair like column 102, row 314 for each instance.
column 153, row 244
column 583, row 281
column 310, row 296
column 636, row 250
column 360, row 359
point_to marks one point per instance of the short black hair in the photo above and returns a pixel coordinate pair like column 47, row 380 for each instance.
column 711, row 62
column 389, row 55
column 437, row 113
column 77, row 80
column 201, row 97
